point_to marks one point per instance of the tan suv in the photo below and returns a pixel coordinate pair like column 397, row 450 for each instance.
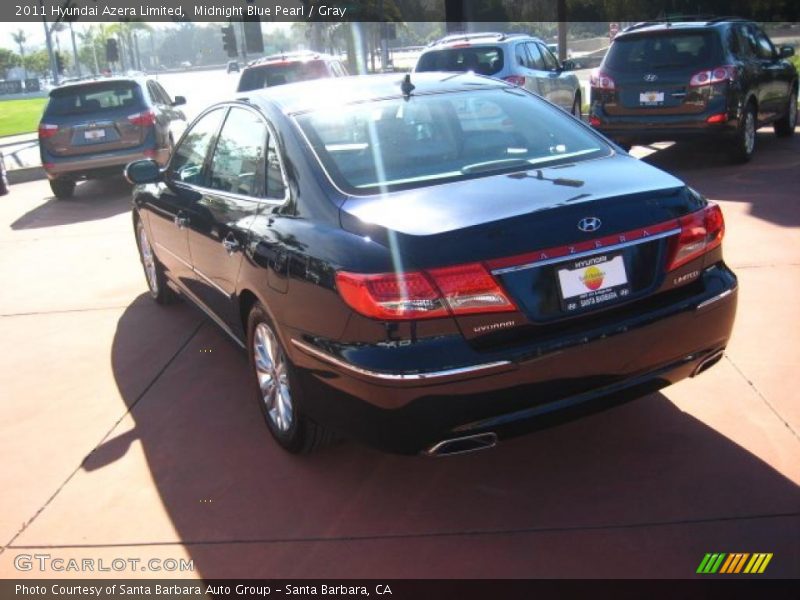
column 93, row 128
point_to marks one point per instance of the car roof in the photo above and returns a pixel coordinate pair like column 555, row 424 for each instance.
column 661, row 26
column 494, row 38
column 301, row 56
column 97, row 80
column 293, row 98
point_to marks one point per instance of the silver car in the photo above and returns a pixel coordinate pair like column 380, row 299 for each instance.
column 520, row 59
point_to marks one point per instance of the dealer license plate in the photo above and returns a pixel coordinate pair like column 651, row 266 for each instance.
column 651, row 98
column 589, row 282
column 94, row 134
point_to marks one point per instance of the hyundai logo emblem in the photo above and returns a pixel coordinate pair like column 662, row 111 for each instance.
column 650, row 77
column 589, row 224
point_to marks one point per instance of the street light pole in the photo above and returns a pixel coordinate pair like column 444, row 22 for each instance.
column 75, row 50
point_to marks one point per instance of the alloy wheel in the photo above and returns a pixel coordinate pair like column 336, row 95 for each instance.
column 273, row 377
column 749, row 132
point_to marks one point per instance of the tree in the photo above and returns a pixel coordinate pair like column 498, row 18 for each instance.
column 7, row 60
column 20, row 38
column 38, row 62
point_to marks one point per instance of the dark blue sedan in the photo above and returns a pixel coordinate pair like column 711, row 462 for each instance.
column 428, row 264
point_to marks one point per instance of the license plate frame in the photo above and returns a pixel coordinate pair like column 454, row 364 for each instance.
column 93, row 135
column 590, row 282
column 651, row 98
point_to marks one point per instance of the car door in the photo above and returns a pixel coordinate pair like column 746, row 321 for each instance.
column 777, row 84
column 561, row 81
column 170, row 207
column 222, row 214
column 175, row 117
column 761, row 72
column 537, row 75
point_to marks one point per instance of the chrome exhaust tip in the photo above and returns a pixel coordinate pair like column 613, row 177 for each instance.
column 708, row 362
column 463, row 445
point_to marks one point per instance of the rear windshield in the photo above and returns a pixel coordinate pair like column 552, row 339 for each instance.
column 94, row 98
column 482, row 60
column 673, row 50
column 256, row 78
column 397, row 144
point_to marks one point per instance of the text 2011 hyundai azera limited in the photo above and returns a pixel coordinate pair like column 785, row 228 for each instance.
column 428, row 264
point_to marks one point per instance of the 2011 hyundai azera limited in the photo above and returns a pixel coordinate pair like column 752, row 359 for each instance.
column 430, row 264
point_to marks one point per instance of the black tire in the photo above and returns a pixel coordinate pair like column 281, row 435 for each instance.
column 298, row 434
column 577, row 109
column 156, row 280
column 62, row 188
column 744, row 146
column 784, row 127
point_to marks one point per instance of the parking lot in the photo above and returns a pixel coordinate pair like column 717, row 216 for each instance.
column 128, row 432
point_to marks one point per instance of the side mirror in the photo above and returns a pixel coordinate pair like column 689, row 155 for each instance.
column 179, row 101
column 786, row 51
column 143, row 171
column 568, row 65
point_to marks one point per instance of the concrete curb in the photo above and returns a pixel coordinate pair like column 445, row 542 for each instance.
column 25, row 174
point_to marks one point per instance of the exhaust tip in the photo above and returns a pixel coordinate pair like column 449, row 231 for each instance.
column 708, row 362
column 463, row 445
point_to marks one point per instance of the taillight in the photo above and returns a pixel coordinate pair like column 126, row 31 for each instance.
column 517, row 80
column 594, row 121
column 709, row 76
column 46, row 130
column 601, row 81
column 459, row 290
column 701, row 232
column 143, row 119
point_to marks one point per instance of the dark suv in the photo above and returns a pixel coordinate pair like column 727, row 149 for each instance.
column 94, row 128
column 670, row 81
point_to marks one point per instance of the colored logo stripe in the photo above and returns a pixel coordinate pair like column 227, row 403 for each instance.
column 721, row 562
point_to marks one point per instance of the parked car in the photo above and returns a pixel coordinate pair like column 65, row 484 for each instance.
column 233, row 67
column 429, row 263
column 279, row 69
column 93, row 128
column 520, row 59
column 695, row 80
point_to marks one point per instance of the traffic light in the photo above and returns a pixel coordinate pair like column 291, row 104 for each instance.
column 229, row 41
column 112, row 50
column 59, row 63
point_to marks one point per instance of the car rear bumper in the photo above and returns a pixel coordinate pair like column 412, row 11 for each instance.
column 522, row 387
column 643, row 129
column 99, row 164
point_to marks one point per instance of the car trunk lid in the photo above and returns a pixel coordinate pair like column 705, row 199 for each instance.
column 562, row 242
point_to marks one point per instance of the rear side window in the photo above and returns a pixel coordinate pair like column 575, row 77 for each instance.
column 536, row 60
column 483, row 60
column 256, row 78
column 662, row 51
column 94, row 98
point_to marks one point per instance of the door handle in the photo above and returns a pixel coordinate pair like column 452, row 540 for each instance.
column 231, row 244
column 181, row 221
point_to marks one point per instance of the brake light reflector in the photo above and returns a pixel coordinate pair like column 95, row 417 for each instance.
column 517, row 80
column 720, row 118
column 47, row 130
column 143, row 119
column 709, row 76
column 459, row 290
column 594, row 121
column 701, row 232
column 601, row 81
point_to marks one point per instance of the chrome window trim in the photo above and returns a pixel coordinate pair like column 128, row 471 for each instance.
column 399, row 377
column 593, row 251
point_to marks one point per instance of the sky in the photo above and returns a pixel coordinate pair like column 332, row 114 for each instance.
column 35, row 32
